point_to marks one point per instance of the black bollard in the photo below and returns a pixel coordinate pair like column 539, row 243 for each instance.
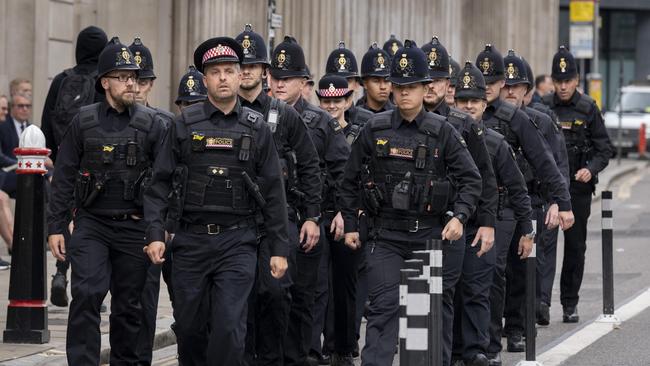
column 27, row 310
column 415, row 264
column 405, row 274
column 417, row 322
column 607, row 224
column 435, row 290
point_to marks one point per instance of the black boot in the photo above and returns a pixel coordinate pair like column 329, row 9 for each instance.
column 543, row 314
column 59, row 295
column 516, row 343
column 570, row 315
column 344, row 359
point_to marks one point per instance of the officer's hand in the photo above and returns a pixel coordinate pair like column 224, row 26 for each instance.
column 453, row 230
column 278, row 266
column 486, row 235
column 583, row 175
column 352, row 240
column 309, row 234
column 566, row 220
column 56, row 243
column 525, row 247
column 156, row 251
column 337, row 227
column 552, row 217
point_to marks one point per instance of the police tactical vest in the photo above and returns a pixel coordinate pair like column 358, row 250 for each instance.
column 217, row 159
column 114, row 165
column 359, row 119
column 573, row 121
column 410, row 171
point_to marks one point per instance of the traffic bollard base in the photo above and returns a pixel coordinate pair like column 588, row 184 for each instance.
column 26, row 325
column 608, row 318
column 529, row 363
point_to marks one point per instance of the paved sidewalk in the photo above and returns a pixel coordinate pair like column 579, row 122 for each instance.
column 53, row 353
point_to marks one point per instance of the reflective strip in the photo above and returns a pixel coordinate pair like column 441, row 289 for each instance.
column 417, row 339
column 403, row 291
column 402, row 328
column 608, row 223
column 606, row 205
column 437, row 258
column 426, row 271
column 435, row 285
column 417, row 304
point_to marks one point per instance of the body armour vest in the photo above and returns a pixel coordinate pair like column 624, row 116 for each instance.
column 115, row 167
column 573, row 121
column 358, row 119
column 410, row 171
column 501, row 124
column 219, row 162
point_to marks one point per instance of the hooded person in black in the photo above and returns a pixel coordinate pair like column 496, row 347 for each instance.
column 90, row 43
column 75, row 82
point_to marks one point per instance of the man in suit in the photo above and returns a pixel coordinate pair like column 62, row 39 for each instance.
column 17, row 121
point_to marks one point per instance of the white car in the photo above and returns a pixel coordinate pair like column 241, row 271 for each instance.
column 636, row 110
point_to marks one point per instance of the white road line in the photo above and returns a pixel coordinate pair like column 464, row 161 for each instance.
column 589, row 334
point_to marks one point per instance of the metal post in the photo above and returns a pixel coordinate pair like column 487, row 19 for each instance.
column 417, row 314
column 531, row 303
column 27, row 310
column 405, row 274
column 619, row 136
column 608, row 315
column 596, row 58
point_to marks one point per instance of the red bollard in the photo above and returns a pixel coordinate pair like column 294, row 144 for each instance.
column 27, row 310
column 642, row 142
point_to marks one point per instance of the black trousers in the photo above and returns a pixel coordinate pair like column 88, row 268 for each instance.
column 386, row 256
column 149, row 301
column 504, row 232
column 212, row 276
column 575, row 245
column 323, row 310
column 105, row 255
column 547, row 261
column 472, row 300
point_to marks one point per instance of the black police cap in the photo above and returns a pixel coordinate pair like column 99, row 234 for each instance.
column 564, row 65
column 115, row 56
column 471, row 83
column 342, row 62
column 392, row 45
column 191, row 88
column 409, row 65
column 437, row 58
column 288, row 60
column 375, row 62
column 217, row 50
column 529, row 73
column 490, row 62
column 142, row 57
column 333, row 86
column 515, row 70
column 254, row 47
column 454, row 69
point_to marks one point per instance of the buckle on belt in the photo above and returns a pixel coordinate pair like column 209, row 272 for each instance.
column 416, row 228
column 213, row 229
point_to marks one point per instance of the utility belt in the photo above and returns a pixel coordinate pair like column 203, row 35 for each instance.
column 411, row 225
column 215, row 229
column 578, row 158
column 91, row 186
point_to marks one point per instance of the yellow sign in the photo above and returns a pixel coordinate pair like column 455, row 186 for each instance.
column 581, row 11
column 596, row 91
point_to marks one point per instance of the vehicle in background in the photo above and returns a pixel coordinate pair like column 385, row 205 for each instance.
column 636, row 110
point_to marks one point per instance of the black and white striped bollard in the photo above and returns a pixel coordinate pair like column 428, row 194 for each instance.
column 405, row 274
column 607, row 223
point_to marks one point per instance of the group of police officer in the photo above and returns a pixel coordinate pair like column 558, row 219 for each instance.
column 274, row 221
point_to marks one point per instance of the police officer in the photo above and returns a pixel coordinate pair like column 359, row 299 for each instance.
column 109, row 158
column 547, row 255
column 191, row 89
column 479, row 228
column 342, row 62
column 392, row 45
column 589, row 149
column 287, row 76
column 146, row 77
column 375, row 69
column 400, row 153
column 233, row 172
column 454, row 69
column 270, row 300
column 513, row 210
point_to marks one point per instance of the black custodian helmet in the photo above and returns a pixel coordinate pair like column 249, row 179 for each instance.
column 454, row 69
column 437, row 58
column 254, row 47
column 376, row 62
column 515, row 70
column 342, row 62
column 115, row 56
column 471, row 83
column 191, row 88
column 288, row 60
column 142, row 57
column 490, row 63
column 564, row 65
column 409, row 65
column 392, row 45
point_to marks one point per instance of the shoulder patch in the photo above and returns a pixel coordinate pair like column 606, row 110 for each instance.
column 142, row 118
column 432, row 123
column 194, row 113
column 89, row 116
column 381, row 121
column 505, row 112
